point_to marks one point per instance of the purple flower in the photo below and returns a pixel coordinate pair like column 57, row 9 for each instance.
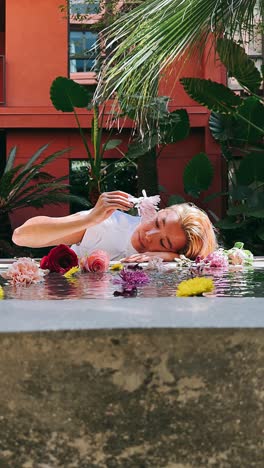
column 132, row 277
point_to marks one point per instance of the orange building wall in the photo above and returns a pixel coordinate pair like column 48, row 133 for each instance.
column 36, row 50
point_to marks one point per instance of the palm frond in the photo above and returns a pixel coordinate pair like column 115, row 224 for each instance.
column 150, row 37
column 10, row 160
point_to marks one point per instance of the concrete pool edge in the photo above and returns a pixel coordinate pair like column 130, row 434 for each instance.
column 134, row 313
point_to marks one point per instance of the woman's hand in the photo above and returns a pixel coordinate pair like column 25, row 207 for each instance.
column 109, row 202
column 147, row 256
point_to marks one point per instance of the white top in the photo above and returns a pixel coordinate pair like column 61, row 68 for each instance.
column 112, row 235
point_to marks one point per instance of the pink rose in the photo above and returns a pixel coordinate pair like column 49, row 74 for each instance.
column 24, row 271
column 97, row 262
column 60, row 259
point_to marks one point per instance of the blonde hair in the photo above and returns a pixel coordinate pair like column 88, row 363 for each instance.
column 201, row 238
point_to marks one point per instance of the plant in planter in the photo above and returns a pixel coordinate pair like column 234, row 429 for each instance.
column 166, row 127
column 237, row 123
column 27, row 185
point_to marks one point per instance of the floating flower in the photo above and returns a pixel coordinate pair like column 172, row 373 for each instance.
column 132, row 277
column 116, row 267
column 238, row 256
column 71, row 272
column 146, row 206
column 24, row 271
column 183, row 261
column 60, row 259
column 216, row 259
column 195, row 287
column 1, row 293
column 97, row 262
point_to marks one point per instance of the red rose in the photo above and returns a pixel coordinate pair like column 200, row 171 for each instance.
column 97, row 262
column 60, row 259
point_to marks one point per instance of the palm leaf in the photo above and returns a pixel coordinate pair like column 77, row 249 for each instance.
column 145, row 41
column 35, row 157
column 10, row 160
column 7, row 182
column 26, row 176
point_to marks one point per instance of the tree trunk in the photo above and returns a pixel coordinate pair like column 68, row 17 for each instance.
column 148, row 173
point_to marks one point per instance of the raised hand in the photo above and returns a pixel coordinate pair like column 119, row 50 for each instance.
column 109, row 202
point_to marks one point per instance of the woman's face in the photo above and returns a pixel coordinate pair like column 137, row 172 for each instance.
column 162, row 234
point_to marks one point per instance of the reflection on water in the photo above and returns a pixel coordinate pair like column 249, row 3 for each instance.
column 245, row 282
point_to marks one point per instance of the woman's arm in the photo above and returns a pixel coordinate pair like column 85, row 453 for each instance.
column 43, row 231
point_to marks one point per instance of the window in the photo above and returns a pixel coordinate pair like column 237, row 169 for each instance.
column 122, row 176
column 83, row 51
column 79, row 7
column 84, row 40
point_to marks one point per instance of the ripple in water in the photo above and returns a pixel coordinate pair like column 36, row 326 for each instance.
column 248, row 282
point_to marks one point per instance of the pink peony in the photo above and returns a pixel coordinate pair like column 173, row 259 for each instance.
column 147, row 206
column 24, row 271
column 97, row 262
column 217, row 259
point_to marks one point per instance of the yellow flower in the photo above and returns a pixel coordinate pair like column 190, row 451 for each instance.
column 71, row 272
column 195, row 287
column 116, row 267
column 1, row 293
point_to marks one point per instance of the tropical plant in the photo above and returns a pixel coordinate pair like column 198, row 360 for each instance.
column 166, row 127
column 237, row 123
column 27, row 185
column 145, row 41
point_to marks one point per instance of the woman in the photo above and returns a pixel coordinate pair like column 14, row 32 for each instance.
column 179, row 229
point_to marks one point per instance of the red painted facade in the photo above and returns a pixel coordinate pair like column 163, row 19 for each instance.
column 33, row 51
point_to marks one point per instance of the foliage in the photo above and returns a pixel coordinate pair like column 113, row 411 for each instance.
column 145, row 41
column 239, row 128
column 27, row 185
column 165, row 128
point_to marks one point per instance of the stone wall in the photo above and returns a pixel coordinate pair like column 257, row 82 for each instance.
column 132, row 399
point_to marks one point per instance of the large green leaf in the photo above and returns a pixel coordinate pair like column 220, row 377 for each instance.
column 65, row 94
column 251, row 169
column 198, row 174
column 260, row 232
column 174, row 126
column 229, row 223
column 251, row 120
column 137, row 149
column 221, row 126
column 175, row 200
column 238, row 64
column 241, row 192
column 112, row 144
column 215, row 96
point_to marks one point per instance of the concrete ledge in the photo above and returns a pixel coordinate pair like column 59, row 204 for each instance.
column 196, row 312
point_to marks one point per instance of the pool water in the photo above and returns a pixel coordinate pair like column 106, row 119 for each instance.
column 246, row 282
